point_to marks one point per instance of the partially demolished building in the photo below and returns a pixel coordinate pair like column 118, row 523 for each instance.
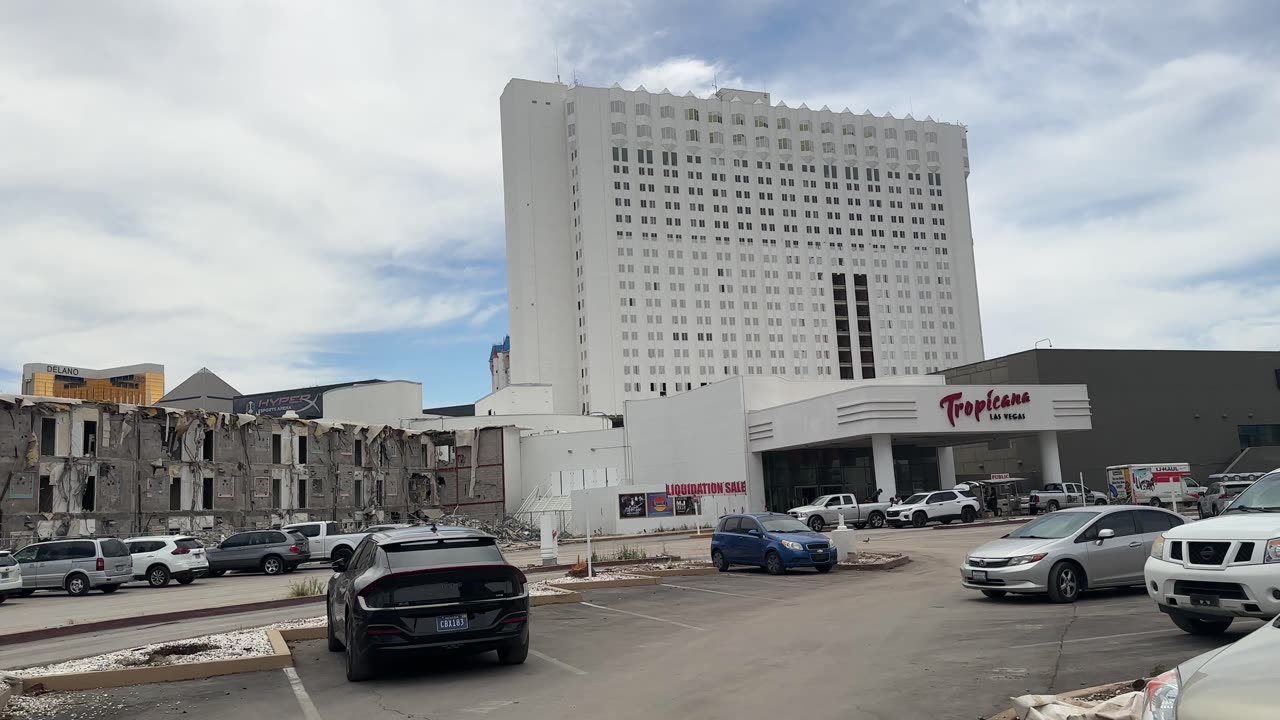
column 72, row 468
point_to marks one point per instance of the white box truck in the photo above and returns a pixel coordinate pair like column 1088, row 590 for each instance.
column 1159, row 484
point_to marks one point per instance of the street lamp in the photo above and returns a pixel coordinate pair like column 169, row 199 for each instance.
column 1044, row 340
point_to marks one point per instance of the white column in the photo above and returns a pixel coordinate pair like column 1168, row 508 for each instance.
column 946, row 467
column 1050, row 466
column 882, row 454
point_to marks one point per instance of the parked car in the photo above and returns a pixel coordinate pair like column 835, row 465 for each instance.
column 1206, row 574
column 76, row 565
column 1219, row 495
column 10, row 576
column 1235, row 681
column 826, row 510
column 1069, row 551
column 430, row 589
column 942, row 506
column 159, row 558
column 326, row 539
column 1055, row 496
column 773, row 541
column 271, row 551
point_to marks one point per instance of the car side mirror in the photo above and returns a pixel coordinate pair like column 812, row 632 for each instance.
column 1105, row 534
column 339, row 564
column 754, row 533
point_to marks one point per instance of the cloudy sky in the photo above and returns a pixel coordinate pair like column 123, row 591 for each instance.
column 301, row 192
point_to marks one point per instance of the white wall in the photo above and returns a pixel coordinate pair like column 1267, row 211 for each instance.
column 693, row 437
column 599, row 506
column 517, row 400
column 564, row 462
column 386, row 403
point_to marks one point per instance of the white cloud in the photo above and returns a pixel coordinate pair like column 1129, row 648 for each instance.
column 681, row 75
column 225, row 185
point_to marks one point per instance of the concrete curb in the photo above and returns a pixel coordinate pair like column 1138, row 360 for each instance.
column 640, row 536
column 280, row 657
column 993, row 523
column 154, row 619
column 535, row 569
column 601, row 584
column 886, row 565
column 1012, row 714
column 569, row 596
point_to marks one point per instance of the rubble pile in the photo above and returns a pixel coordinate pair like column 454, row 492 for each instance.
column 508, row 530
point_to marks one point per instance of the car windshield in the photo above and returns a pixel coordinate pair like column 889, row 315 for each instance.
column 819, row 502
column 1262, row 496
column 914, row 499
column 783, row 525
column 1054, row 526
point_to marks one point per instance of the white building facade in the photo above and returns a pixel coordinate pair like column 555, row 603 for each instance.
column 657, row 243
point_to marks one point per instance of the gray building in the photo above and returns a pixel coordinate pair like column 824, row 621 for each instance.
column 202, row 391
column 1201, row 407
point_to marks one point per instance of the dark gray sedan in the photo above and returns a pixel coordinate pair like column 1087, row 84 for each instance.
column 1069, row 551
column 269, row 551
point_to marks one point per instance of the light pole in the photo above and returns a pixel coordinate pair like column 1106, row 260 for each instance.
column 1043, row 340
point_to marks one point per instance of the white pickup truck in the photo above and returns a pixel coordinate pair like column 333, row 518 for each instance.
column 327, row 540
column 1056, row 496
column 826, row 510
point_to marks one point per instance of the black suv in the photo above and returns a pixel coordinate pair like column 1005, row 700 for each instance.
column 426, row 589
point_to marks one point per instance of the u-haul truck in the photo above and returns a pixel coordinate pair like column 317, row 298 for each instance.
column 1153, row 483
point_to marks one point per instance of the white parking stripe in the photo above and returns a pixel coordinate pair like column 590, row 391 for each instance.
column 646, row 617
column 561, row 664
column 1091, row 639
column 720, row 592
column 309, row 711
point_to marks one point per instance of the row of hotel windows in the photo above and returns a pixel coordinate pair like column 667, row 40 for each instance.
column 624, row 236
column 760, row 121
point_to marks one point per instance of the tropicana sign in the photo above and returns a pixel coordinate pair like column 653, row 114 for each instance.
column 956, row 406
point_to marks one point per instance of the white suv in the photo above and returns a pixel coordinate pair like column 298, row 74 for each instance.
column 1205, row 574
column 159, row 558
column 942, row 505
column 10, row 575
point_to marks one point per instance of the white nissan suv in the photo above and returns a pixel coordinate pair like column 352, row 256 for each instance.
column 1205, row 574
column 159, row 558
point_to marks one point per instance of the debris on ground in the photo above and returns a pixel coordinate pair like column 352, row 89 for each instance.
column 871, row 558
column 542, row 587
column 1125, row 706
column 666, row 565
column 510, row 530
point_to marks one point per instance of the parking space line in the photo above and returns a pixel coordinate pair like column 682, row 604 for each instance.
column 559, row 663
column 1090, row 639
column 720, row 592
column 646, row 617
column 309, row 711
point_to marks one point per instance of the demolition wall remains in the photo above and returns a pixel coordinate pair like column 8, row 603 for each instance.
column 71, row 468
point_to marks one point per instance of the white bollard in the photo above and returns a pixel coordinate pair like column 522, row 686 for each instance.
column 845, row 540
column 550, row 553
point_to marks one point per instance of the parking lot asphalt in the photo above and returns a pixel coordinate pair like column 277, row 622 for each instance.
column 905, row 643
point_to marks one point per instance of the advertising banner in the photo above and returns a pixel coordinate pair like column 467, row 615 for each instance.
column 687, row 505
column 631, row 506
column 659, row 505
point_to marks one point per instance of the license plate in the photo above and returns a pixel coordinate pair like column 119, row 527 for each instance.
column 820, row 555
column 980, row 575
column 4, row 575
column 1204, row 600
column 447, row 623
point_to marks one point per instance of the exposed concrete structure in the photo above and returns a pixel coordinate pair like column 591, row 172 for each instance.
column 76, row 468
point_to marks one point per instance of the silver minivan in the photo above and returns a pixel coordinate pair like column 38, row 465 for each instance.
column 76, row 565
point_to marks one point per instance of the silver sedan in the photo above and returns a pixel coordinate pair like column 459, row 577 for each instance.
column 1068, row 552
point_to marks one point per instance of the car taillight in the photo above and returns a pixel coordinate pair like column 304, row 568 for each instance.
column 180, row 551
column 294, row 549
column 100, row 565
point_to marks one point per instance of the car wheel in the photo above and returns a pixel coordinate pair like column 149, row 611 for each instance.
column 108, row 589
column 157, row 576
column 1200, row 626
column 1155, row 502
column 1051, row 506
column 824, row 568
column 186, row 580
column 718, row 559
column 26, row 593
column 77, row 585
column 876, row 520
column 994, row 594
column 946, row 521
column 358, row 663
column 773, row 563
column 515, row 652
column 272, row 565
column 1099, row 501
column 919, row 519
column 335, row 645
column 1064, row 583
column 3, row 598
column 816, row 523
column 968, row 515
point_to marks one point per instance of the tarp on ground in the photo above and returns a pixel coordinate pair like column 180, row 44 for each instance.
column 1049, row 707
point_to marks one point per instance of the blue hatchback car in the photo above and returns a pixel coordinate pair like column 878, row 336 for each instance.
column 772, row 541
